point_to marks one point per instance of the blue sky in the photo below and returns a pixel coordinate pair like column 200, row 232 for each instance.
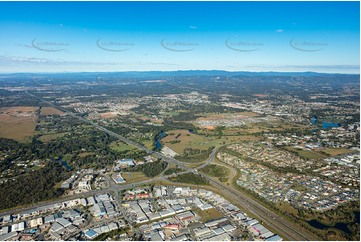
column 143, row 36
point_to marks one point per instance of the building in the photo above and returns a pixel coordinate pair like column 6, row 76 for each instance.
column 18, row 227
column 124, row 163
column 118, row 178
column 91, row 234
column 7, row 236
column 64, row 222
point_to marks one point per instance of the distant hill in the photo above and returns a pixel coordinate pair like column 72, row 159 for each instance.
column 159, row 74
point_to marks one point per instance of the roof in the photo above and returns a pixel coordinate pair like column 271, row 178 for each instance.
column 221, row 237
column 218, row 231
column 63, row 222
column 56, row 227
column 240, row 216
column 8, row 236
column 180, row 238
column 228, row 227
column 252, row 222
column 260, row 228
column 274, row 238
column 185, row 215
column 49, row 218
column 91, row 234
column 128, row 161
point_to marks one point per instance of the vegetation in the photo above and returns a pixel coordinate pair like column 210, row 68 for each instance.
column 170, row 171
column 306, row 154
column 193, row 155
column 151, row 169
column 133, row 176
column 190, row 178
column 33, row 187
column 216, row 171
column 209, row 214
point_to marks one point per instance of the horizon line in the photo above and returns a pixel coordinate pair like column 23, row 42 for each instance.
column 205, row 70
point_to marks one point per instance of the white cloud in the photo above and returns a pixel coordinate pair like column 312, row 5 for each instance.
column 279, row 30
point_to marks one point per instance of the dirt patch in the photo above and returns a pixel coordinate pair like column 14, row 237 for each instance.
column 227, row 116
column 18, row 123
column 108, row 115
column 50, row 111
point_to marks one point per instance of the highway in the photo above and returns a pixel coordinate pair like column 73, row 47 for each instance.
column 272, row 220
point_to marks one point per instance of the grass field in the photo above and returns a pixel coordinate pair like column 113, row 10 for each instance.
column 120, row 146
column 85, row 154
column 213, row 116
column 190, row 178
column 49, row 137
column 18, row 123
column 216, row 171
column 147, row 143
column 335, row 151
column 134, row 176
column 306, row 154
column 209, row 214
column 50, row 111
column 185, row 139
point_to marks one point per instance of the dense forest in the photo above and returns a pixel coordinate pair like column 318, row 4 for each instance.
column 151, row 169
column 33, row 187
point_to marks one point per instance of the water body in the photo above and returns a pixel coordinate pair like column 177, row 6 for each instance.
column 314, row 120
column 157, row 139
column 340, row 226
column 327, row 125
column 64, row 163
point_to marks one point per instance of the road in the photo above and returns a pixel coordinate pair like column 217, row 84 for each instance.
column 273, row 221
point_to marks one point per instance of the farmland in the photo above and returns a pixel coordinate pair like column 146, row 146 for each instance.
column 18, row 123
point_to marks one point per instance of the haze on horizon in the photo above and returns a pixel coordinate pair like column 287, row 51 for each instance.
column 167, row 36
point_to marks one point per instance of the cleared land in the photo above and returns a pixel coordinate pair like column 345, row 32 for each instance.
column 134, row 176
column 209, row 214
column 50, row 111
column 18, row 123
column 178, row 140
column 108, row 115
column 226, row 116
column 49, row 137
column 85, row 154
column 120, row 146
column 306, row 154
column 216, row 171
column 336, row 151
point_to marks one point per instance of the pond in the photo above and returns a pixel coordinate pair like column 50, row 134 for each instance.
column 157, row 139
column 326, row 125
column 64, row 163
column 340, row 226
column 314, row 120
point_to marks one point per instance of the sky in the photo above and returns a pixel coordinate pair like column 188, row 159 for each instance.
column 164, row 36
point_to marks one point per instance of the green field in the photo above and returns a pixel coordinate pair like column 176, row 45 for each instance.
column 216, row 171
column 120, row 146
column 49, row 137
column 306, row 154
column 190, row 178
column 178, row 140
column 85, row 154
column 134, row 176
column 172, row 170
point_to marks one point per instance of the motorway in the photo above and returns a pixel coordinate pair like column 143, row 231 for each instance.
column 275, row 222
